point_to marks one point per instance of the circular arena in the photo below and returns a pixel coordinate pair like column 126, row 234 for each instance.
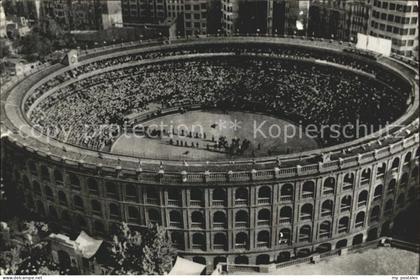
column 196, row 135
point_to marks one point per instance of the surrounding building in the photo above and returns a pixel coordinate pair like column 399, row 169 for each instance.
column 268, row 16
column 397, row 21
column 393, row 20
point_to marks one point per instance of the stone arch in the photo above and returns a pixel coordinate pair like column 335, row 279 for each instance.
column 220, row 241
column 264, row 192
column 242, row 218
column 329, row 185
column 306, row 211
column 308, row 189
column 325, row 229
column 395, row 163
column 305, row 233
column 286, row 214
column 343, row 224
column 262, row 259
column 197, row 219
column 286, row 190
column 264, row 216
column 341, row 244
column 360, row 219
column 357, row 240
column 241, row 195
column 263, row 239
column 241, row 240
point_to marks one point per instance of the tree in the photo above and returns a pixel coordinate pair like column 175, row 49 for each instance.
column 138, row 253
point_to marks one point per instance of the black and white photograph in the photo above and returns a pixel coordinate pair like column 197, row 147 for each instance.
column 231, row 138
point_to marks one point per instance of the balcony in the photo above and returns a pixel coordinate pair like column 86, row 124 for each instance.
column 241, row 202
column 154, row 201
column 219, row 247
column 219, row 203
column 175, row 224
column 342, row 229
column 359, row 224
column 328, row 192
column 345, row 208
column 324, row 234
column 306, row 217
column 241, row 224
column 304, row 239
column 197, row 225
column 196, row 203
column 241, row 246
column 362, row 203
column 264, row 201
column 326, row 213
column 307, row 195
column 286, row 198
column 347, row 187
column 198, row 247
column 262, row 244
column 285, row 220
column 173, row 202
column 219, row 225
column 263, row 223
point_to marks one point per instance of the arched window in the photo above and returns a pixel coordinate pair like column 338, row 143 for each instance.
column 379, row 190
column 114, row 211
column 241, row 218
column 395, row 163
column 264, row 217
column 263, row 239
column 241, row 196
column 74, row 181
column 93, row 186
column 346, row 203
column 325, row 229
column 241, row 240
column 308, row 189
column 198, row 241
column 366, row 176
column 131, row 193
column 219, row 197
column 407, row 158
column 58, row 177
column 219, row 219
column 264, row 195
column 218, row 260
column 196, row 197
column 78, row 202
column 348, row 181
column 329, row 185
column 360, row 219
column 154, row 216
column 175, row 218
column 343, row 225
column 96, row 207
column 285, row 235
column 305, row 233
column 363, row 197
column 327, row 208
column 404, row 180
column 241, row 260
column 111, row 190
column 133, row 214
column 262, row 259
column 341, row 244
column 286, row 192
column 286, row 214
column 381, row 169
column 174, row 196
column 391, row 186
column 177, row 239
column 62, row 199
column 306, row 212
column 45, row 174
column 220, row 241
column 389, row 207
column 197, row 219
column 375, row 214
column 152, row 195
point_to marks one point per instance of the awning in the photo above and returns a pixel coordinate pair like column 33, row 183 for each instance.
column 186, row 267
column 87, row 245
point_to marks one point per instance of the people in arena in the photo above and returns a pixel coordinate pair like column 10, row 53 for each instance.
column 260, row 79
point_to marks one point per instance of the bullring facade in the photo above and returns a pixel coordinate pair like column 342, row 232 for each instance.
column 244, row 211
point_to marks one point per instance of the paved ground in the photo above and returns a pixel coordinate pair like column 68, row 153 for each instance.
column 265, row 133
column 380, row 261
